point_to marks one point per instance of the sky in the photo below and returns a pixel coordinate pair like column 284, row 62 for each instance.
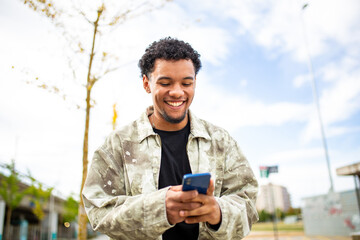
column 255, row 82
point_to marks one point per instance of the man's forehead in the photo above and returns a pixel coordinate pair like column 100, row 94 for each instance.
column 181, row 64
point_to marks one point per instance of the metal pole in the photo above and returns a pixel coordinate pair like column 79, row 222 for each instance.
column 357, row 191
column 316, row 100
column 51, row 212
column 274, row 215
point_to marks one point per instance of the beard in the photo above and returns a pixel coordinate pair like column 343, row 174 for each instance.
column 174, row 120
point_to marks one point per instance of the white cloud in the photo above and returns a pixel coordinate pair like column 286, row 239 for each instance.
column 205, row 38
column 339, row 101
column 296, row 155
column 234, row 110
column 243, row 83
column 333, row 20
column 300, row 80
column 277, row 25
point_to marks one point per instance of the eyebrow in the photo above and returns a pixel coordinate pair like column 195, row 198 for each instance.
column 169, row 78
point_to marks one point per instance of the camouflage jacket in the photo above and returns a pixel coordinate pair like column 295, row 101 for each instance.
column 121, row 195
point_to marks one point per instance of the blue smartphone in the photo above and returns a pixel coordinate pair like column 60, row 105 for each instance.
column 197, row 181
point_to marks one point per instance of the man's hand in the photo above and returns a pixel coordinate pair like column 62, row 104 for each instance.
column 208, row 212
column 191, row 206
column 176, row 201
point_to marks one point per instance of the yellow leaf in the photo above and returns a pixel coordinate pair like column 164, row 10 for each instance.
column 115, row 116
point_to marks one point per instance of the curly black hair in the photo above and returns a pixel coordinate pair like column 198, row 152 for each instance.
column 168, row 49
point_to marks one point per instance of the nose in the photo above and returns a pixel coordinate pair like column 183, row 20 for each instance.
column 176, row 91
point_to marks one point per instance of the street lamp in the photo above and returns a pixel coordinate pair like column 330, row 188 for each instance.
column 316, row 100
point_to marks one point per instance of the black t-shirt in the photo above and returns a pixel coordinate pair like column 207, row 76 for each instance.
column 174, row 164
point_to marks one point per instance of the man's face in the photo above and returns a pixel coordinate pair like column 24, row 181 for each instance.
column 172, row 85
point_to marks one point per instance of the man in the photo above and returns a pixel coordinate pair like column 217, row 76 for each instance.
column 133, row 189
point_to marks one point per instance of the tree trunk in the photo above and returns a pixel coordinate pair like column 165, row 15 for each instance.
column 82, row 218
column 8, row 220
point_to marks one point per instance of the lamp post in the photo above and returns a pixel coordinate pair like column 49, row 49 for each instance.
column 316, row 101
column 265, row 172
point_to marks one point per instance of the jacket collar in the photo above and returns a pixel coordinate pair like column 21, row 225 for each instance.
column 197, row 126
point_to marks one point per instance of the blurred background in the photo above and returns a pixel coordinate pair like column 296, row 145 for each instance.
column 260, row 61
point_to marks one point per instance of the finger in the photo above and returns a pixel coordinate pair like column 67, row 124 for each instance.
column 203, row 210
column 207, row 213
column 178, row 206
column 174, row 217
column 211, row 188
column 181, row 196
column 176, row 188
column 174, row 204
column 187, row 196
column 209, row 206
column 197, row 219
column 190, row 206
column 201, row 198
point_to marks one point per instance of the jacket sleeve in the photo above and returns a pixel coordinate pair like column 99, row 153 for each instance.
column 109, row 206
column 238, row 196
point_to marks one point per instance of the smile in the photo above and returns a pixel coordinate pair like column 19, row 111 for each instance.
column 175, row 104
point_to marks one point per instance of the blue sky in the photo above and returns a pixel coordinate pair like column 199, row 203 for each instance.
column 254, row 82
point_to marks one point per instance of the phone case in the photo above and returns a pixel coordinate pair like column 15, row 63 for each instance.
column 197, row 181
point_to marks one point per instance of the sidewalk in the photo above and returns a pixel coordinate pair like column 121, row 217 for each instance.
column 257, row 234
column 268, row 235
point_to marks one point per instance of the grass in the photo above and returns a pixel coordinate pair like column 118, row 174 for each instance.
column 268, row 226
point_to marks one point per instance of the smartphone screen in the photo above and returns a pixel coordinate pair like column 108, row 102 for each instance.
column 197, row 181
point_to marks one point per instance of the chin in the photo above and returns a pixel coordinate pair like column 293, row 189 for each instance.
column 178, row 119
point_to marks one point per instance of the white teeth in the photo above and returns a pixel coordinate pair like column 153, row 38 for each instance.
column 175, row 104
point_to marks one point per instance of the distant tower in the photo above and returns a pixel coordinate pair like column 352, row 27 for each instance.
column 281, row 198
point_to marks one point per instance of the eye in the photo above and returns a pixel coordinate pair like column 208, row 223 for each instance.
column 187, row 84
column 164, row 84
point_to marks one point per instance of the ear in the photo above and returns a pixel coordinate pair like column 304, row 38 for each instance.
column 146, row 83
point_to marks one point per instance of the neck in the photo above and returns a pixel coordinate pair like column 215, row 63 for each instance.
column 161, row 124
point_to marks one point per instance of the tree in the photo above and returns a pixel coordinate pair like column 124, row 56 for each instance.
column 293, row 211
column 100, row 19
column 39, row 196
column 280, row 214
column 71, row 207
column 264, row 216
column 11, row 194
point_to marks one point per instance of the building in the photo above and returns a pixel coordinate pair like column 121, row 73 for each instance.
column 24, row 222
column 271, row 195
column 334, row 213
column 331, row 214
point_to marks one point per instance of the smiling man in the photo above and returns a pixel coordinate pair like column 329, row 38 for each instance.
column 172, row 86
column 133, row 189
